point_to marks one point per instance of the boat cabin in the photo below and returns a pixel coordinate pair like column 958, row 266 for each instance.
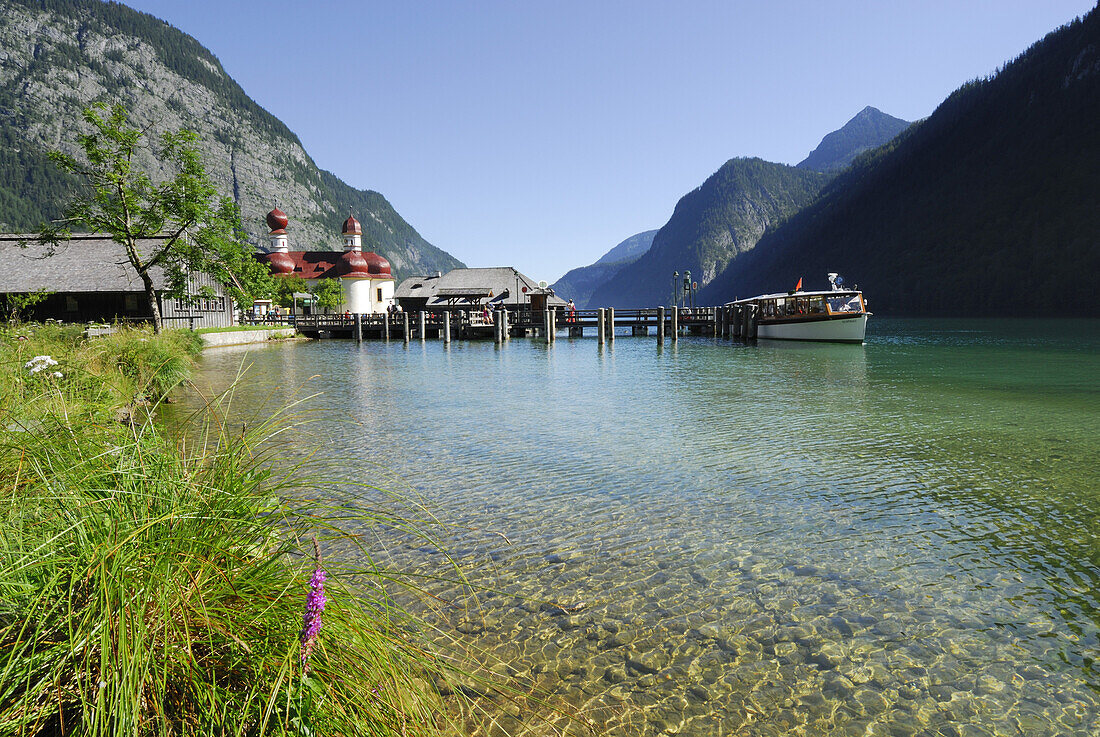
column 809, row 304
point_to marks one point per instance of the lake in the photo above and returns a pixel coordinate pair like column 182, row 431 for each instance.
column 709, row 538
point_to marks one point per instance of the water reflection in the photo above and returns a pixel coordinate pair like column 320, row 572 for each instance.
column 713, row 538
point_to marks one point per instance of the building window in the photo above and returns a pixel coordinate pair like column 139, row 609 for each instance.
column 70, row 303
column 379, row 294
column 131, row 303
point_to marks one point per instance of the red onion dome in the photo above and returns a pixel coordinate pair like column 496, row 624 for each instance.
column 354, row 264
column 351, row 227
column 280, row 263
column 276, row 220
column 377, row 265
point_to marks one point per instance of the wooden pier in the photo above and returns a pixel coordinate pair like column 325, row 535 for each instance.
column 665, row 323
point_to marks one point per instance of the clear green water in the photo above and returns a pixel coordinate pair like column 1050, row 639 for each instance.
column 900, row 538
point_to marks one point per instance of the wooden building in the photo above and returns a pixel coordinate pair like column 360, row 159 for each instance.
column 465, row 289
column 90, row 280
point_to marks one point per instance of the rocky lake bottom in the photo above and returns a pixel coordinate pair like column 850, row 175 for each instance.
column 900, row 538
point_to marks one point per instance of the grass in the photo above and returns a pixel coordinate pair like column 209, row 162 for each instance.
column 153, row 583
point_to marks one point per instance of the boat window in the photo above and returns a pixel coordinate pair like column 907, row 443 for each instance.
column 847, row 303
column 817, row 305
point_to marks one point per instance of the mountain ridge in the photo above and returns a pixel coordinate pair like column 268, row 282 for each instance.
column 710, row 226
column 986, row 207
column 578, row 284
column 59, row 56
column 867, row 129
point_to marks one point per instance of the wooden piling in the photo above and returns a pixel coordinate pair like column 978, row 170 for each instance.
column 601, row 326
column 386, row 325
column 553, row 325
column 358, row 328
column 405, row 317
column 675, row 323
column 496, row 327
column 660, row 326
column 446, row 327
column 503, row 324
column 423, row 323
column 546, row 326
column 715, row 327
column 610, row 324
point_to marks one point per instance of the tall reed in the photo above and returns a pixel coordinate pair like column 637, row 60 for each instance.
column 154, row 586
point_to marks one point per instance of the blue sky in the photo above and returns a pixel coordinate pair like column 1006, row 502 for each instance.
column 539, row 135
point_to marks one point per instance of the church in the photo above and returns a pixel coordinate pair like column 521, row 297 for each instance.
column 364, row 277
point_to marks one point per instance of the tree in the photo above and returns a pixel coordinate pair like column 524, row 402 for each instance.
column 329, row 293
column 286, row 287
column 16, row 304
column 179, row 225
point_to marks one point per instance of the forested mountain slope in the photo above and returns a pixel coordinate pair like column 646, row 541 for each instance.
column 710, row 227
column 578, row 284
column 870, row 128
column 987, row 207
column 59, row 56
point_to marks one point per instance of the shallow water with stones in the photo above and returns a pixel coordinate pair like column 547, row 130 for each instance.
column 900, row 538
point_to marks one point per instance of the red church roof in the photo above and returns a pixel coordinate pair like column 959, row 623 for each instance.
column 329, row 264
column 351, row 227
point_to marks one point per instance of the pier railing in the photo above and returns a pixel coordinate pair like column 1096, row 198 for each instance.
column 725, row 320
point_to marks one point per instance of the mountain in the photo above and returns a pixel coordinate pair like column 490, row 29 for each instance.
column 629, row 250
column 59, row 56
column 578, row 284
column 711, row 226
column 986, row 207
column 870, row 128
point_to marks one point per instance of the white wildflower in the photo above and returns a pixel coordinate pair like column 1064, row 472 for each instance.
column 58, row 375
column 39, row 363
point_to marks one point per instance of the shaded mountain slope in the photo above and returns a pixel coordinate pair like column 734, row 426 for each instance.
column 711, row 226
column 987, row 207
column 578, row 284
column 870, row 128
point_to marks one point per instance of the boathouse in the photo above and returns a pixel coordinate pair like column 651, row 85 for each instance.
column 91, row 280
column 364, row 277
column 464, row 289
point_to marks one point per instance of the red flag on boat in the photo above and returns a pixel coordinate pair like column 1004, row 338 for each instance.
column 798, row 287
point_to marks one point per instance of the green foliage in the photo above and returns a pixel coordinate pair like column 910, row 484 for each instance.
column 201, row 232
column 286, row 287
column 15, row 305
column 329, row 294
column 154, row 584
column 987, row 207
column 155, row 366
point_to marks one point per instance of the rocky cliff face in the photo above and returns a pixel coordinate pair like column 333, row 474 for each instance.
column 56, row 61
column 710, row 227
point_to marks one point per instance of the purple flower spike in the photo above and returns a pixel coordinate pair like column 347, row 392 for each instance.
column 315, row 606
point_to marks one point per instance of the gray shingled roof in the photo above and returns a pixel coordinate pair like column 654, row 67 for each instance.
column 87, row 263
column 474, row 284
column 417, row 286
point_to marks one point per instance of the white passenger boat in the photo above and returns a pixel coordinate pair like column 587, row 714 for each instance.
column 836, row 316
